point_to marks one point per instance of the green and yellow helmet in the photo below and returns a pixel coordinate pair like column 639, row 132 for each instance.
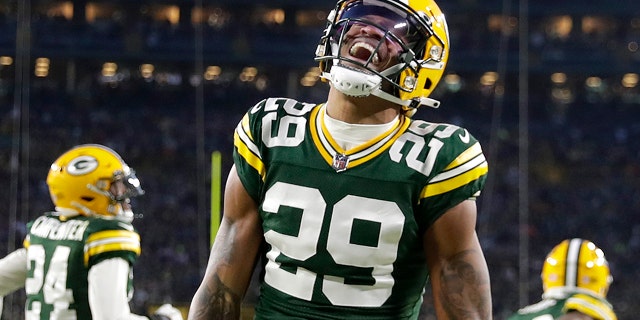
column 418, row 26
column 576, row 264
column 85, row 178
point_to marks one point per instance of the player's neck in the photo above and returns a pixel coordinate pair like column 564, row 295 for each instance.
column 365, row 110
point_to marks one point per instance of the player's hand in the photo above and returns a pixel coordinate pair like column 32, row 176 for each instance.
column 167, row 312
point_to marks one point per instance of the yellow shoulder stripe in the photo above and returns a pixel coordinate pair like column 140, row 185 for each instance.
column 244, row 151
column 464, row 157
column 110, row 241
column 245, row 125
column 590, row 306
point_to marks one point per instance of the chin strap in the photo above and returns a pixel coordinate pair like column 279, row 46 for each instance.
column 355, row 83
column 426, row 101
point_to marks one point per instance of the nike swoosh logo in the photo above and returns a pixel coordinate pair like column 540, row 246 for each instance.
column 465, row 136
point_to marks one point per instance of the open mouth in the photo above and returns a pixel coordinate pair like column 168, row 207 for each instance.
column 364, row 51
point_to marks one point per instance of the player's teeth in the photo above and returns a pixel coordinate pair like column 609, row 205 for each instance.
column 356, row 51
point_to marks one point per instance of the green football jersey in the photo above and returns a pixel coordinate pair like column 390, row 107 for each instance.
column 553, row 308
column 344, row 228
column 61, row 251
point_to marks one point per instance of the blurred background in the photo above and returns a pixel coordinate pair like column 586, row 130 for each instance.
column 550, row 88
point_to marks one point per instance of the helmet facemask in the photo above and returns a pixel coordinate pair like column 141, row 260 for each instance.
column 399, row 43
column 118, row 191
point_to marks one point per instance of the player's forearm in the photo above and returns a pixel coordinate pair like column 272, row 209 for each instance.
column 464, row 287
column 13, row 271
column 232, row 258
column 214, row 300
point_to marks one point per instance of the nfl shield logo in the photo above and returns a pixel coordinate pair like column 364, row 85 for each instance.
column 340, row 162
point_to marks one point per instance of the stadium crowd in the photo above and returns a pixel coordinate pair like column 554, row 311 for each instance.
column 584, row 169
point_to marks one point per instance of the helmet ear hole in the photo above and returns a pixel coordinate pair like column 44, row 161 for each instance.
column 428, row 83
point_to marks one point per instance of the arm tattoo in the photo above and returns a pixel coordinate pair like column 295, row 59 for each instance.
column 465, row 290
column 219, row 302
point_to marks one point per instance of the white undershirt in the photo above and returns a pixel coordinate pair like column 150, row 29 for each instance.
column 350, row 135
column 13, row 272
column 108, row 291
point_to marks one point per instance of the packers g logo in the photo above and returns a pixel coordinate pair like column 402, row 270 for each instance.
column 82, row 165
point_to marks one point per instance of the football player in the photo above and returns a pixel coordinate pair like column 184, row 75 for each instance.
column 76, row 262
column 575, row 281
column 351, row 204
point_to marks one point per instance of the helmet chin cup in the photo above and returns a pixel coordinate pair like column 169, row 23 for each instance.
column 353, row 82
column 126, row 215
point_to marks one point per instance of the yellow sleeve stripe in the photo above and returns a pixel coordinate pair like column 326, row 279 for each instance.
column 109, row 234
column 248, row 151
column 464, row 157
column 111, row 240
column 590, row 306
column 440, row 186
column 245, row 125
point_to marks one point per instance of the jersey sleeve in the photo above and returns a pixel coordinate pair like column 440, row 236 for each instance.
column 459, row 170
column 264, row 126
column 591, row 306
column 108, row 239
column 247, row 154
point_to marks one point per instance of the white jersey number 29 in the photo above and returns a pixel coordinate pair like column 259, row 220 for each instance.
column 303, row 246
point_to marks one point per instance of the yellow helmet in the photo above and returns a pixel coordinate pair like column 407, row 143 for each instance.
column 576, row 264
column 92, row 179
column 419, row 26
